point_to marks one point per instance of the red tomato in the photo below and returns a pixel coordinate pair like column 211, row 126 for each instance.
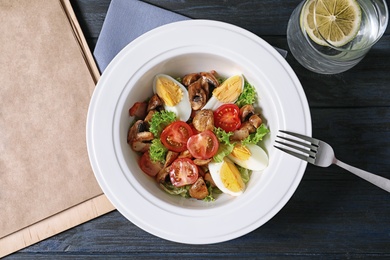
column 183, row 171
column 203, row 145
column 148, row 166
column 175, row 136
column 227, row 117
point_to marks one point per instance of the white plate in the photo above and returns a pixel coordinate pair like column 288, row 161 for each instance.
column 177, row 49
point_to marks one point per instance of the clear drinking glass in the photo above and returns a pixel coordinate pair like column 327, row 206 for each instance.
column 326, row 58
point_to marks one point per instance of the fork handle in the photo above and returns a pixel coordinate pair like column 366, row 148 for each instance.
column 370, row 177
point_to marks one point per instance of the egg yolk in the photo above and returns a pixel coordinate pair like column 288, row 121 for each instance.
column 168, row 91
column 231, row 177
column 229, row 90
column 241, row 152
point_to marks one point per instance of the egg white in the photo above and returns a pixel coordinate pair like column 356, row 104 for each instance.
column 213, row 103
column 215, row 171
column 258, row 160
column 183, row 108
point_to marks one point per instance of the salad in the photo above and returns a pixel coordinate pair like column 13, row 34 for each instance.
column 199, row 135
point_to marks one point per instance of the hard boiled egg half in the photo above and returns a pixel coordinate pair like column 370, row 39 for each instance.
column 250, row 156
column 226, row 93
column 174, row 96
column 227, row 177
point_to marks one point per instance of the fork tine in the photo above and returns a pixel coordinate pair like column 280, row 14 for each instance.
column 298, row 155
column 309, row 150
column 304, row 137
column 310, row 153
column 310, row 146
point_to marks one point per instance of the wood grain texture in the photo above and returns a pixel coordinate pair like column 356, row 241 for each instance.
column 332, row 215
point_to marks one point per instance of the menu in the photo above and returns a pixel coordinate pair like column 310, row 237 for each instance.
column 48, row 76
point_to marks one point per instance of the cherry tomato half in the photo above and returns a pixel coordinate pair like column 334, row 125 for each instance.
column 227, row 117
column 175, row 136
column 203, row 145
column 183, row 171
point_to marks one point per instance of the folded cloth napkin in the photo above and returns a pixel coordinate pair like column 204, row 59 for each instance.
column 125, row 21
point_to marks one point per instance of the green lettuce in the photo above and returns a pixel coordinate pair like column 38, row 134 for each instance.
column 157, row 151
column 248, row 95
column 212, row 190
column 245, row 173
column 225, row 146
column 256, row 137
column 160, row 120
column 223, row 150
column 183, row 191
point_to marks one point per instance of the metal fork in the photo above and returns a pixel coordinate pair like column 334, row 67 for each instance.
column 321, row 154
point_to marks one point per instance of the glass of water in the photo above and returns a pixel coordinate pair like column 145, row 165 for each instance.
column 332, row 36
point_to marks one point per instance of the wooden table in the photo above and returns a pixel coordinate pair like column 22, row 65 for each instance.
column 333, row 214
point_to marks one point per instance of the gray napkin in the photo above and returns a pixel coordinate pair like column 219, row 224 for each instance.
column 125, row 21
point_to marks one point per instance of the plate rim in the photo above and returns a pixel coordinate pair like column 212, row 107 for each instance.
column 90, row 119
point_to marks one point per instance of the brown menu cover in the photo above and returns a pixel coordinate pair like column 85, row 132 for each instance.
column 47, row 79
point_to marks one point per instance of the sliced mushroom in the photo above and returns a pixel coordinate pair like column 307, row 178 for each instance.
column 197, row 94
column 190, row 78
column 255, row 120
column 201, row 162
column 205, row 87
column 210, row 78
column 164, row 172
column 239, row 134
column 142, row 142
column 204, row 120
column 246, row 111
column 199, row 189
column 149, row 116
column 248, row 126
column 154, row 103
column 138, row 138
column 134, row 130
column 207, row 177
column 201, row 170
column 162, row 175
column 185, row 154
column 171, row 156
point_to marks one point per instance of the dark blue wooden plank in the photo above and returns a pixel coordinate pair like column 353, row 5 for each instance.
column 365, row 85
column 333, row 214
column 262, row 17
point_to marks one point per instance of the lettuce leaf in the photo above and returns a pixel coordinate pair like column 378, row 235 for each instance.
column 223, row 150
column 256, row 137
column 157, row 151
column 212, row 190
column 160, row 120
column 223, row 137
column 184, row 191
column 173, row 190
column 248, row 95
column 225, row 146
column 245, row 173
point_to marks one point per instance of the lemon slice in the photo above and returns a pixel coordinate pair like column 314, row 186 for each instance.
column 338, row 21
